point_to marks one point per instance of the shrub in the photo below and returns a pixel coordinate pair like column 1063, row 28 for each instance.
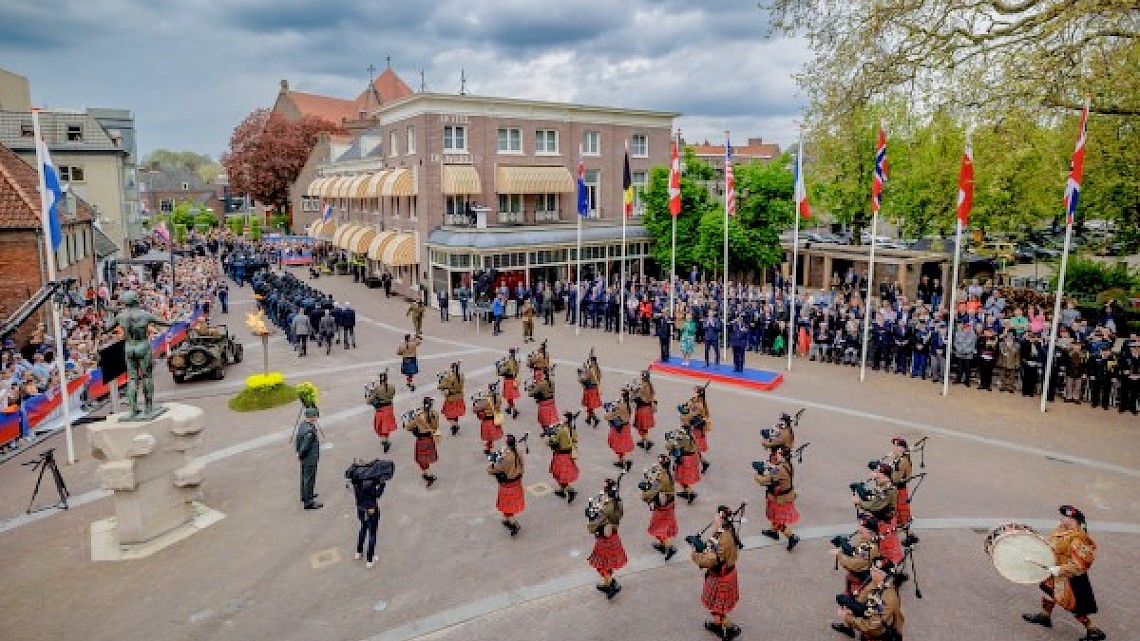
column 308, row 394
column 1090, row 277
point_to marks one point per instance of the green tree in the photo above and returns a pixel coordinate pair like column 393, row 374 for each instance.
column 695, row 202
column 255, row 228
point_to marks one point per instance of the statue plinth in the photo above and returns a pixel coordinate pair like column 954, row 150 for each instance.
column 146, row 465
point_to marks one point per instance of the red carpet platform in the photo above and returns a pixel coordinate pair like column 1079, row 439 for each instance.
column 758, row 379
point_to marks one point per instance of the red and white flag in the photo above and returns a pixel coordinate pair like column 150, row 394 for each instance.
column 1077, row 169
column 801, row 190
column 729, row 181
column 966, row 186
column 675, row 183
column 880, row 175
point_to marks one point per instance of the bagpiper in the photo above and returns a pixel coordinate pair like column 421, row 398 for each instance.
column 380, row 394
column 538, row 361
column 454, row 406
column 659, row 493
column 590, row 377
column 1068, row 582
column 487, row 407
column 507, row 467
column 424, row 425
column 777, row 476
column 717, row 557
column 620, row 438
column 902, row 470
column 603, row 515
column 541, row 389
column 878, row 498
column 508, row 368
column 409, row 365
column 645, row 397
column 695, row 414
column 874, row 613
column 684, row 450
column 854, row 553
column 779, row 435
column 563, row 442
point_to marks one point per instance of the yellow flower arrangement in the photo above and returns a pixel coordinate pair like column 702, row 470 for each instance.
column 308, row 394
column 264, row 382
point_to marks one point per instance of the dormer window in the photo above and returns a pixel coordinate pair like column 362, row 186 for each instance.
column 75, row 133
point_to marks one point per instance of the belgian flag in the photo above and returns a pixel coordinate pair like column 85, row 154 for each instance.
column 627, row 186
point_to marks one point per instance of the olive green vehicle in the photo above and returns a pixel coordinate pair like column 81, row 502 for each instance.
column 205, row 352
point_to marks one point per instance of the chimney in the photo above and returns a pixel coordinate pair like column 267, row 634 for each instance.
column 284, row 86
column 755, row 142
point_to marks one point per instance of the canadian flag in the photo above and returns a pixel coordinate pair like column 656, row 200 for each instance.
column 675, row 183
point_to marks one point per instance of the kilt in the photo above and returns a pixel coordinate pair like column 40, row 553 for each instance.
column 689, row 471
column 620, row 441
column 510, row 389
column 889, row 546
column 1074, row 594
column 643, row 418
column 608, row 553
column 701, row 439
column 721, row 592
column 785, row 514
column 547, row 413
column 425, row 452
column 538, row 375
column 384, row 421
column 453, row 410
column 902, row 514
column 488, row 431
column 591, row 398
column 409, row 366
column 512, row 498
column 663, row 522
column 563, row 468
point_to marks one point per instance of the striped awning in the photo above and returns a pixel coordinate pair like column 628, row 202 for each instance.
column 370, row 188
column 401, row 251
column 354, row 184
column 533, row 180
column 315, row 187
column 400, row 182
column 358, row 242
column 340, row 237
column 331, row 188
column 376, row 247
column 461, row 180
column 324, row 231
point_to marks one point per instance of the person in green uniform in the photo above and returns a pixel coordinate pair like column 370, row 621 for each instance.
column 308, row 446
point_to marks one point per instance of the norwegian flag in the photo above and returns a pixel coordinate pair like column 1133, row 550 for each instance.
column 801, row 190
column 966, row 186
column 675, row 183
column 729, row 180
column 1077, row 169
column 880, row 177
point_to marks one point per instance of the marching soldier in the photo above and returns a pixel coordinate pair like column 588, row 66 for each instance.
column 380, row 396
column 780, row 495
column 542, row 391
column 684, row 450
column 874, row 613
column 881, row 502
column 507, row 468
column 659, row 492
column 528, row 314
column 409, row 365
column 538, row 361
column 424, row 425
column 563, row 442
column 718, row 558
column 779, row 435
column 416, row 311
column 454, row 406
column 1068, row 584
column 604, row 515
column 854, row 554
column 643, row 419
column 620, row 438
column 487, row 409
column 700, row 422
column 901, row 472
column 508, row 368
column 590, row 377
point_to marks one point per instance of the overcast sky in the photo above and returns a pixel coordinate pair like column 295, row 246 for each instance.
column 191, row 69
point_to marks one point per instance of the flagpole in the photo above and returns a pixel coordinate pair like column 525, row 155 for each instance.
column 673, row 250
column 867, row 303
column 724, row 288
column 952, row 312
column 49, row 258
column 578, row 267
column 795, row 248
column 1056, row 316
column 621, row 285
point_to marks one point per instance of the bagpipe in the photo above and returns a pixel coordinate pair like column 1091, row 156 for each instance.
column 586, row 374
column 538, row 359
column 494, row 457
column 786, row 421
column 449, row 378
column 698, row 541
column 866, row 490
column 844, row 544
column 371, row 389
column 503, row 368
column 596, row 503
column 650, row 479
column 568, row 418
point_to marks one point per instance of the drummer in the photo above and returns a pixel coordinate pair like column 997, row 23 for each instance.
column 1068, row 584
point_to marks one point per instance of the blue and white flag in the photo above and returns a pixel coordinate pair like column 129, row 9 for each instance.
column 53, row 194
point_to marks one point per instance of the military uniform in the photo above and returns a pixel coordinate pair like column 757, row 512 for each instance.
column 563, row 442
column 661, row 498
column 416, row 311
column 854, row 554
column 608, row 554
column 424, row 425
column 620, row 438
column 699, row 422
column 1009, row 359
column 780, row 435
column 1068, row 584
column 508, row 368
column 780, row 498
column 409, row 364
column 1101, row 370
column 590, row 378
column 645, row 398
column 454, row 405
column 542, row 391
column 538, row 361
column 721, row 590
column 528, row 314
column 1128, row 369
column 308, row 447
column 508, row 471
column 1075, row 363
column 881, row 618
column 882, row 503
column 487, row 409
column 684, row 450
column 384, row 417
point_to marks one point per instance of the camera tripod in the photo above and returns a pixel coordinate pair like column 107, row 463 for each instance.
column 44, row 462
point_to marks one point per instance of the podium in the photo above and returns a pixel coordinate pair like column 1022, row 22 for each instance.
column 481, row 216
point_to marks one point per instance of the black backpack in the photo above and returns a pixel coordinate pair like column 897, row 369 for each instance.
column 377, row 471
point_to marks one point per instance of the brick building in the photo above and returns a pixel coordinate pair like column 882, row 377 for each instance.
column 162, row 189
column 21, row 237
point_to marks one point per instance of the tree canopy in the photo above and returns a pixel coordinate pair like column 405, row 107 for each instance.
column 201, row 164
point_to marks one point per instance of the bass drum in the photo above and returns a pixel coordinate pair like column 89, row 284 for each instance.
column 1019, row 553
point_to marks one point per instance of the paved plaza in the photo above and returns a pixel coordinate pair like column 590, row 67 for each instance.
column 447, row 569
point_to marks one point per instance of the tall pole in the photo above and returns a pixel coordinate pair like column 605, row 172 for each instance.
column 795, row 251
column 621, row 285
column 673, row 250
column 57, row 309
column 1056, row 316
column 724, row 276
column 953, row 310
column 878, row 179
column 578, row 267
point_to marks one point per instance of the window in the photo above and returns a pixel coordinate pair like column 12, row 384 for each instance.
column 510, row 140
column 27, row 130
column 393, row 143
column 454, row 138
column 592, row 143
column 510, row 203
column 70, row 173
column 185, row 186
column 546, row 202
column 639, row 178
column 593, row 181
column 411, row 146
column 75, row 133
column 166, row 206
column 546, row 141
column 639, row 145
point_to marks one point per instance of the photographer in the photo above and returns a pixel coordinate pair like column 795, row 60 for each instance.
column 368, row 493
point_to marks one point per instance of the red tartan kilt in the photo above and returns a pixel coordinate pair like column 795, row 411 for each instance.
column 701, row 439
column 889, row 545
column 902, row 514
column 721, row 593
column 538, row 375
column 591, row 398
column 563, row 469
column 620, row 442
column 454, row 409
column 643, row 418
column 488, row 431
column 425, row 452
column 663, row 522
column 510, row 389
column 547, row 413
column 689, row 471
column 512, row 498
column 778, row 514
column 608, row 553
column 384, row 421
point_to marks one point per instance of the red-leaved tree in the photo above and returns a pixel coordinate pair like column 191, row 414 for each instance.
column 267, row 151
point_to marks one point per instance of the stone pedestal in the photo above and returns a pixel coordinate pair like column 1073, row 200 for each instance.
column 145, row 464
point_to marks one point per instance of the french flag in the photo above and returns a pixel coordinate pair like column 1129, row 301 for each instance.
column 801, row 190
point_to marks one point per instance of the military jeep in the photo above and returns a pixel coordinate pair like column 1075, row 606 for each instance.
column 205, row 351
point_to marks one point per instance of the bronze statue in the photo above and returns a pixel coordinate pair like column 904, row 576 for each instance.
column 135, row 323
